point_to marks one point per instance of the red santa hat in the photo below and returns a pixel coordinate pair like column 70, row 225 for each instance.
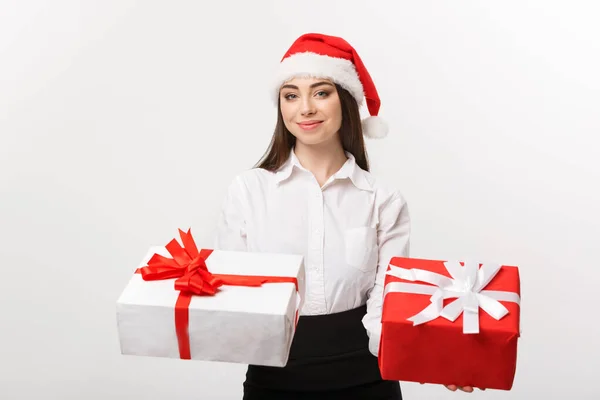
column 321, row 56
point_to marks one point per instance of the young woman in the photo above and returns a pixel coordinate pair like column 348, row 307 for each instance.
column 312, row 194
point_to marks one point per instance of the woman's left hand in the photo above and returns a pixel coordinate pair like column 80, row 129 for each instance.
column 468, row 389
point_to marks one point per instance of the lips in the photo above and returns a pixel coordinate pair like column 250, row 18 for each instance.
column 309, row 125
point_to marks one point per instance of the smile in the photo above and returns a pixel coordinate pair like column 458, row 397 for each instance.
column 309, row 125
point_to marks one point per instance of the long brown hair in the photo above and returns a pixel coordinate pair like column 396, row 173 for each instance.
column 351, row 136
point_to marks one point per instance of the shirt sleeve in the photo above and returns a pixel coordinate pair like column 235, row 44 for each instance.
column 393, row 239
column 231, row 224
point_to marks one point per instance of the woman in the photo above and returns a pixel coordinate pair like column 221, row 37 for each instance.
column 312, row 194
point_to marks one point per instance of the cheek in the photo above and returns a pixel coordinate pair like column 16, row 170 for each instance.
column 334, row 111
column 287, row 111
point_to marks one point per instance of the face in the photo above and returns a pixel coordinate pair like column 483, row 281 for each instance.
column 311, row 110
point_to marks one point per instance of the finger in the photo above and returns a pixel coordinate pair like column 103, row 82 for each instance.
column 451, row 387
column 467, row 389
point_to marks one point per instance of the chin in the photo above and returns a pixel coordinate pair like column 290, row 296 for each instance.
column 312, row 139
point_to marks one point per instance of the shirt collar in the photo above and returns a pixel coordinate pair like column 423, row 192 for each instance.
column 285, row 171
column 350, row 170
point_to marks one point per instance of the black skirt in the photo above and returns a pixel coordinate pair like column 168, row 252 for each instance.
column 329, row 359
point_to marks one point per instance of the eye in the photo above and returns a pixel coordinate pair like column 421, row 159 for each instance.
column 322, row 93
column 290, row 96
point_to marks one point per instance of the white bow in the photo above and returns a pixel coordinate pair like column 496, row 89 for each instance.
column 466, row 285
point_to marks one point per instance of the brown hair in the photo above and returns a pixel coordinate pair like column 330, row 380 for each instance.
column 351, row 136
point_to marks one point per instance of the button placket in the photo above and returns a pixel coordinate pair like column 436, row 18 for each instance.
column 315, row 253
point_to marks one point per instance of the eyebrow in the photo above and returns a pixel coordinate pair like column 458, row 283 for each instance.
column 314, row 85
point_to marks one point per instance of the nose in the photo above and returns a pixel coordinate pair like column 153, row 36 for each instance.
column 308, row 106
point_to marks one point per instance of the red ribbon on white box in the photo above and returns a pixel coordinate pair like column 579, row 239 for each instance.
column 193, row 278
column 466, row 285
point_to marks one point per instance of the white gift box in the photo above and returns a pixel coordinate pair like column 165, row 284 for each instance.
column 247, row 325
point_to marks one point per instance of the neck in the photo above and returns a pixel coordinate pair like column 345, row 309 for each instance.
column 322, row 160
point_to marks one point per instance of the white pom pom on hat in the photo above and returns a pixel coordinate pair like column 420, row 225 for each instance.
column 375, row 127
column 322, row 56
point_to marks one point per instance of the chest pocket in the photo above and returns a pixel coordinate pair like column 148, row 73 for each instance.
column 361, row 248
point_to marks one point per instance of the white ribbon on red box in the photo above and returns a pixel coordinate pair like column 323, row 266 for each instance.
column 466, row 285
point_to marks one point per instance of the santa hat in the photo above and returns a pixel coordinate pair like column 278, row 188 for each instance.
column 321, row 56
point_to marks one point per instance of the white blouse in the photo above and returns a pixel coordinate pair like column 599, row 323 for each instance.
column 347, row 230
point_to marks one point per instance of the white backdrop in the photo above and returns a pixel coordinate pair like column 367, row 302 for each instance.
column 121, row 121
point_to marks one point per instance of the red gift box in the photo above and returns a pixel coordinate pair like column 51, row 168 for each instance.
column 450, row 323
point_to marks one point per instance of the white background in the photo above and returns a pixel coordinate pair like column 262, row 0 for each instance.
column 122, row 121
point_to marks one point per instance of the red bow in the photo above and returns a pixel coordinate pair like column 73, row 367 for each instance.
column 188, row 265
